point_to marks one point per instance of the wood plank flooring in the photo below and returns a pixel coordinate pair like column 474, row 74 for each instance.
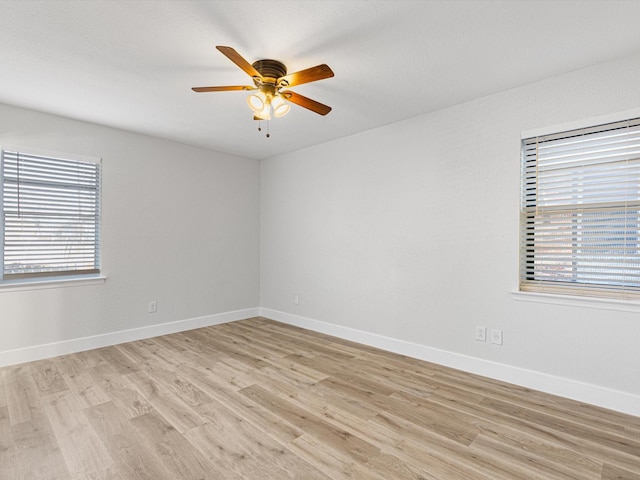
column 257, row 399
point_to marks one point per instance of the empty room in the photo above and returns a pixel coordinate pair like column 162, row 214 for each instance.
column 319, row 239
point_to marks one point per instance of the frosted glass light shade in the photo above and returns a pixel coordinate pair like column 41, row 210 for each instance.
column 280, row 107
column 265, row 113
column 257, row 101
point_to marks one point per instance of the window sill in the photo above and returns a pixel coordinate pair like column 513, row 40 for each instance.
column 575, row 301
column 44, row 284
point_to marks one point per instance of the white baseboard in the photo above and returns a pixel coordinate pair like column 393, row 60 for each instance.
column 583, row 392
column 39, row 352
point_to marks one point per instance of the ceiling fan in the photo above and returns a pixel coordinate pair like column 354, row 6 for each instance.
column 270, row 79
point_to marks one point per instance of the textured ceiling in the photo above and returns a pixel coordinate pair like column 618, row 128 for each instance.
column 131, row 64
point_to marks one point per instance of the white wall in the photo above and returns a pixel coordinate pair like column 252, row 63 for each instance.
column 407, row 237
column 180, row 226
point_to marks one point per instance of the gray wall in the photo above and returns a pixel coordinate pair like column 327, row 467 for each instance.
column 180, row 226
column 407, row 236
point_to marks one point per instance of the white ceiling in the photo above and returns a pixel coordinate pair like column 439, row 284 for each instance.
column 131, row 64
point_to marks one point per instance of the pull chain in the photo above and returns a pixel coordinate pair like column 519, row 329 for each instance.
column 260, row 127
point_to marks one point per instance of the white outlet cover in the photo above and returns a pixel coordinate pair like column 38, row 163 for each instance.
column 496, row 336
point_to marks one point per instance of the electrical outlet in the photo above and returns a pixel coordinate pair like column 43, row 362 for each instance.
column 496, row 336
column 153, row 306
column 296, row 300
column 481, row 333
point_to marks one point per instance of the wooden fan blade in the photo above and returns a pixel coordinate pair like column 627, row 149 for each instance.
column 306, row 102
column 308, row 75
column 239, row 60
column 222, row 89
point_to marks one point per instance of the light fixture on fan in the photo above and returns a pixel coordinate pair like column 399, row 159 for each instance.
column 279, row 106
column 263, row 104
column 257, row 101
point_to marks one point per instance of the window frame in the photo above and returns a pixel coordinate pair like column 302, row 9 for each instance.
column 580, row 293
column 61, row 277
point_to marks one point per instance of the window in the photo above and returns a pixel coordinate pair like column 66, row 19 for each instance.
column 50, row 215
column 580, row 212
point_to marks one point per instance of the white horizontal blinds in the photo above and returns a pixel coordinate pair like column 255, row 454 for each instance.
column 51, row 215
column 580, row 214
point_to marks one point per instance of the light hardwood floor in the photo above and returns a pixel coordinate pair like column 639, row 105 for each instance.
column 257, row 399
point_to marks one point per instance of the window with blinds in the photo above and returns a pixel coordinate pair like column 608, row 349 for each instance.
column 50, row 216
column 580, row 212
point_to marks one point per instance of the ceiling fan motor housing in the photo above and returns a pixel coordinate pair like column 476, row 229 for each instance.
column 271, row 71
